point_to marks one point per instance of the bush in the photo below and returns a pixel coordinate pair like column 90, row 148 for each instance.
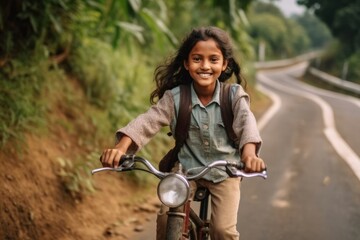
column 76, row 176
column 354, row 70
column 21, row 105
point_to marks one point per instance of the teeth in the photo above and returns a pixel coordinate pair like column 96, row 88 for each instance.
column 205, row 75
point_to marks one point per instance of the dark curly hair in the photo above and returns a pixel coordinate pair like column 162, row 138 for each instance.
column 172, row 72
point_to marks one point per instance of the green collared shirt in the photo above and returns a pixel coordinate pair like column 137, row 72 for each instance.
column 207, row 139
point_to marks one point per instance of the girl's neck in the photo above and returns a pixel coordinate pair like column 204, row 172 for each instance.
column 205, row 95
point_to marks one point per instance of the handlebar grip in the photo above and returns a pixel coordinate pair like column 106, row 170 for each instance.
column 234, row 167
column 237, row 165
column 237, row 170
column 241, row 166
column 127, row 157
column 126, row 160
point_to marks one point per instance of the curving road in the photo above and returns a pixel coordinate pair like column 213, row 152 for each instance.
column 312, row 148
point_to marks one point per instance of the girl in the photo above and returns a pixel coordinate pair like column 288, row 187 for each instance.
column 204, row 59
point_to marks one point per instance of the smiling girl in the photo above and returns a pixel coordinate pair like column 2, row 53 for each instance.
column 204, row 61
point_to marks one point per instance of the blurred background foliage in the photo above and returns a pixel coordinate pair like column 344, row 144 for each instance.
column 55, row 51
column 343, row 20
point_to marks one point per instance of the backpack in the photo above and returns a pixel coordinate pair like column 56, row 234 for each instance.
column 183, row 122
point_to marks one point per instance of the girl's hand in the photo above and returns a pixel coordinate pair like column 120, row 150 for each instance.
column 253, row 164
column 111, row 157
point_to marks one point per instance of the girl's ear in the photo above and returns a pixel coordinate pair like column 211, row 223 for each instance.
column 225, row 64
column 186, row 65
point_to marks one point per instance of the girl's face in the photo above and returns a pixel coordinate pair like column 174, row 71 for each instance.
column 205, row 64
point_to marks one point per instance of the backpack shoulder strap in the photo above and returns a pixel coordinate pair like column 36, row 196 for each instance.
column 184, row 115
column 227, row 114
column 181, row 129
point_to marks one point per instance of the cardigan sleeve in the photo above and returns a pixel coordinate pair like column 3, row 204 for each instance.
column 146, row 125
column 244, row 124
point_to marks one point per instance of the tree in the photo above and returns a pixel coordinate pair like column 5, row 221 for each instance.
column 298, row 37
column 342, row 17
column 282, row 36
column 269, row 8
column 316, row 30
column 26, row 24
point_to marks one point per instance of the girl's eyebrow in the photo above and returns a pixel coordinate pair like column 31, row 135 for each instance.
column 211, row 55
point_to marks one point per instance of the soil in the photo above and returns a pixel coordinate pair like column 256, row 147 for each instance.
column 34, row 203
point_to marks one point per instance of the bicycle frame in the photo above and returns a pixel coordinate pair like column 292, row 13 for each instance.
column 197, row 224
column 182, row 219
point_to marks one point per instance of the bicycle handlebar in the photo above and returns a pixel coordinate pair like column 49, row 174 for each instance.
column 127, row 163
column 233, row 169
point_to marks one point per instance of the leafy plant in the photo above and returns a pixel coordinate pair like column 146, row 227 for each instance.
column 21, row 84
column 76, row 175
column 24, row 23
column 354, row 71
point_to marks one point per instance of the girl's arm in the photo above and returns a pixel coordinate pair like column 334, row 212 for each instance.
column 140, row 130
column 244, row 123
column 252, row 162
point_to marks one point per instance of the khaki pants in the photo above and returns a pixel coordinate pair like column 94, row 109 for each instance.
column 225, row 199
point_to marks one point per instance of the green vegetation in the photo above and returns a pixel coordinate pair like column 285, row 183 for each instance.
column 85, row 67
column 284, row 37
column 21, row 81
column 76, row 175
column 343, row 20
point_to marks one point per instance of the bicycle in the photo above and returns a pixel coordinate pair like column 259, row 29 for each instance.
column 174, row 191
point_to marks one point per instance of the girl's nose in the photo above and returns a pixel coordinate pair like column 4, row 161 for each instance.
column 205, row 65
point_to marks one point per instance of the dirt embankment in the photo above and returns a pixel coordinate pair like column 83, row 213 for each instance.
column 35, row 205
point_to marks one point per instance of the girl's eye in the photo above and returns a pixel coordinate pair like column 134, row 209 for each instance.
column 196, row 59
column 214, row 60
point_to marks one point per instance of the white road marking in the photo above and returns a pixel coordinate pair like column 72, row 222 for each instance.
column 335, row 139
column 280, row 199
column 276, row 104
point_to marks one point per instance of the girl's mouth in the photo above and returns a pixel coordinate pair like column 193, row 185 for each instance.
column 205, row 75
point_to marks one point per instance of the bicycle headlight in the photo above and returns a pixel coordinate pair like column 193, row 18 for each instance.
column 173, row 190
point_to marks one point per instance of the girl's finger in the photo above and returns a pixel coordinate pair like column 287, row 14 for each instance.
column 116, row 159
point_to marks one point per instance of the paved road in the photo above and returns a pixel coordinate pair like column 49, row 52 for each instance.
column 312, row 192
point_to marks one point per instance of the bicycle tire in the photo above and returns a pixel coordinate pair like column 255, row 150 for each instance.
column 174, row 227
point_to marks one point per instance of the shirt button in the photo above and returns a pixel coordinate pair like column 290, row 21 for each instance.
column 206, row 143
column 205, row 126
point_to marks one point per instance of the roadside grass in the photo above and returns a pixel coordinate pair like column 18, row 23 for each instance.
column 22, row 108
column 75, row 175
column 87, row 97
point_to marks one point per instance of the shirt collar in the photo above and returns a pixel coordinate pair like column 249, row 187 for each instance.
column 216, row 97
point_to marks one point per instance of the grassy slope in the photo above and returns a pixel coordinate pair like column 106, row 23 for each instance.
column 35, row 203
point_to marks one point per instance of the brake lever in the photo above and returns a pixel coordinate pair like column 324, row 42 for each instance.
column 231, row 171
column 235, row 172
column 233, row 167
column 127, row 163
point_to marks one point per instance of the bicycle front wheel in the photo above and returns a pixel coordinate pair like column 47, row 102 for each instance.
column 175, row 222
